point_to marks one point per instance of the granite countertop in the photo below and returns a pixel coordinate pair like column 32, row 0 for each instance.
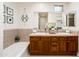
column 55, row 34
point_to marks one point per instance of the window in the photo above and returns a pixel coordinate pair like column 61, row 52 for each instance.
column 58, row 8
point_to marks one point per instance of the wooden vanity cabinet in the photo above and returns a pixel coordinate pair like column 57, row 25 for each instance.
column 35, row 45
column 39, row 45
column 53, row 45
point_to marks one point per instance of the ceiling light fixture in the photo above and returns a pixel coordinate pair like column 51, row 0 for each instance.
column 24, row 17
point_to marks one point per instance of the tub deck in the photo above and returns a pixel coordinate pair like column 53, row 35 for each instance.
column 15, row 50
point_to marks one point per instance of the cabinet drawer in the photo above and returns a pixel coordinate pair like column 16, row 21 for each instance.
column 54, row 39
column 54, row 43
column 45, row 39
column 72, row 38
column 34, row 38
column 54, row 47
column 63, row 38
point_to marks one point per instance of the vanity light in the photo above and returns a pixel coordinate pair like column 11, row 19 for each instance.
column 24, row 17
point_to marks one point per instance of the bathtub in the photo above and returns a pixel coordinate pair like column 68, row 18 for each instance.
column 15, row 50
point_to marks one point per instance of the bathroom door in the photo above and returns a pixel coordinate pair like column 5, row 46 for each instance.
column 43, row 19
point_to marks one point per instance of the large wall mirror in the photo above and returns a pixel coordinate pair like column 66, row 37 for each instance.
column 44, row 18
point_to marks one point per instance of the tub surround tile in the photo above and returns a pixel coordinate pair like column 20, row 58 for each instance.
column 10, row 34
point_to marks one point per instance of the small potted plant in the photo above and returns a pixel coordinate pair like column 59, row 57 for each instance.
column 17, row 38
column 51, row 26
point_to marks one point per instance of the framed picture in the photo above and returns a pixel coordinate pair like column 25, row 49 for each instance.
column 9, row 19
column 9, row 11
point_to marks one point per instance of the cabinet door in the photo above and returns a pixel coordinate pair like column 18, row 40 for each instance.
column 54, row 45
column 35, row 45
column 72, row 44
column 63, row 44
column 45, row 44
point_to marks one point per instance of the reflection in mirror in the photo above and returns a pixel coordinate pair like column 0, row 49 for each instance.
column 70, row 20
column 58, row 8
column 43, row 20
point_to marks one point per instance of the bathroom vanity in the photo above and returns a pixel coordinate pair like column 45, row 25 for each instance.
column 53, row 44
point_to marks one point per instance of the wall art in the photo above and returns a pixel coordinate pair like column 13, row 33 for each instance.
column 9, row 19
column 9, row 11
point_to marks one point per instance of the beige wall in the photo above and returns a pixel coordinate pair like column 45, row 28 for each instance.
column 24, row 34
column 9, row 36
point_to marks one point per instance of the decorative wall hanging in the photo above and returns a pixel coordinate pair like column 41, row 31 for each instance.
column 9, row 19
column 24, row 17
column 8, row 15
column 9, row 11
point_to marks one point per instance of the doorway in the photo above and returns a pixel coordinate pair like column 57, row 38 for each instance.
column 43, row 20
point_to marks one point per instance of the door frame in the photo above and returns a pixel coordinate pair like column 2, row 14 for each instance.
column 39, row 18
